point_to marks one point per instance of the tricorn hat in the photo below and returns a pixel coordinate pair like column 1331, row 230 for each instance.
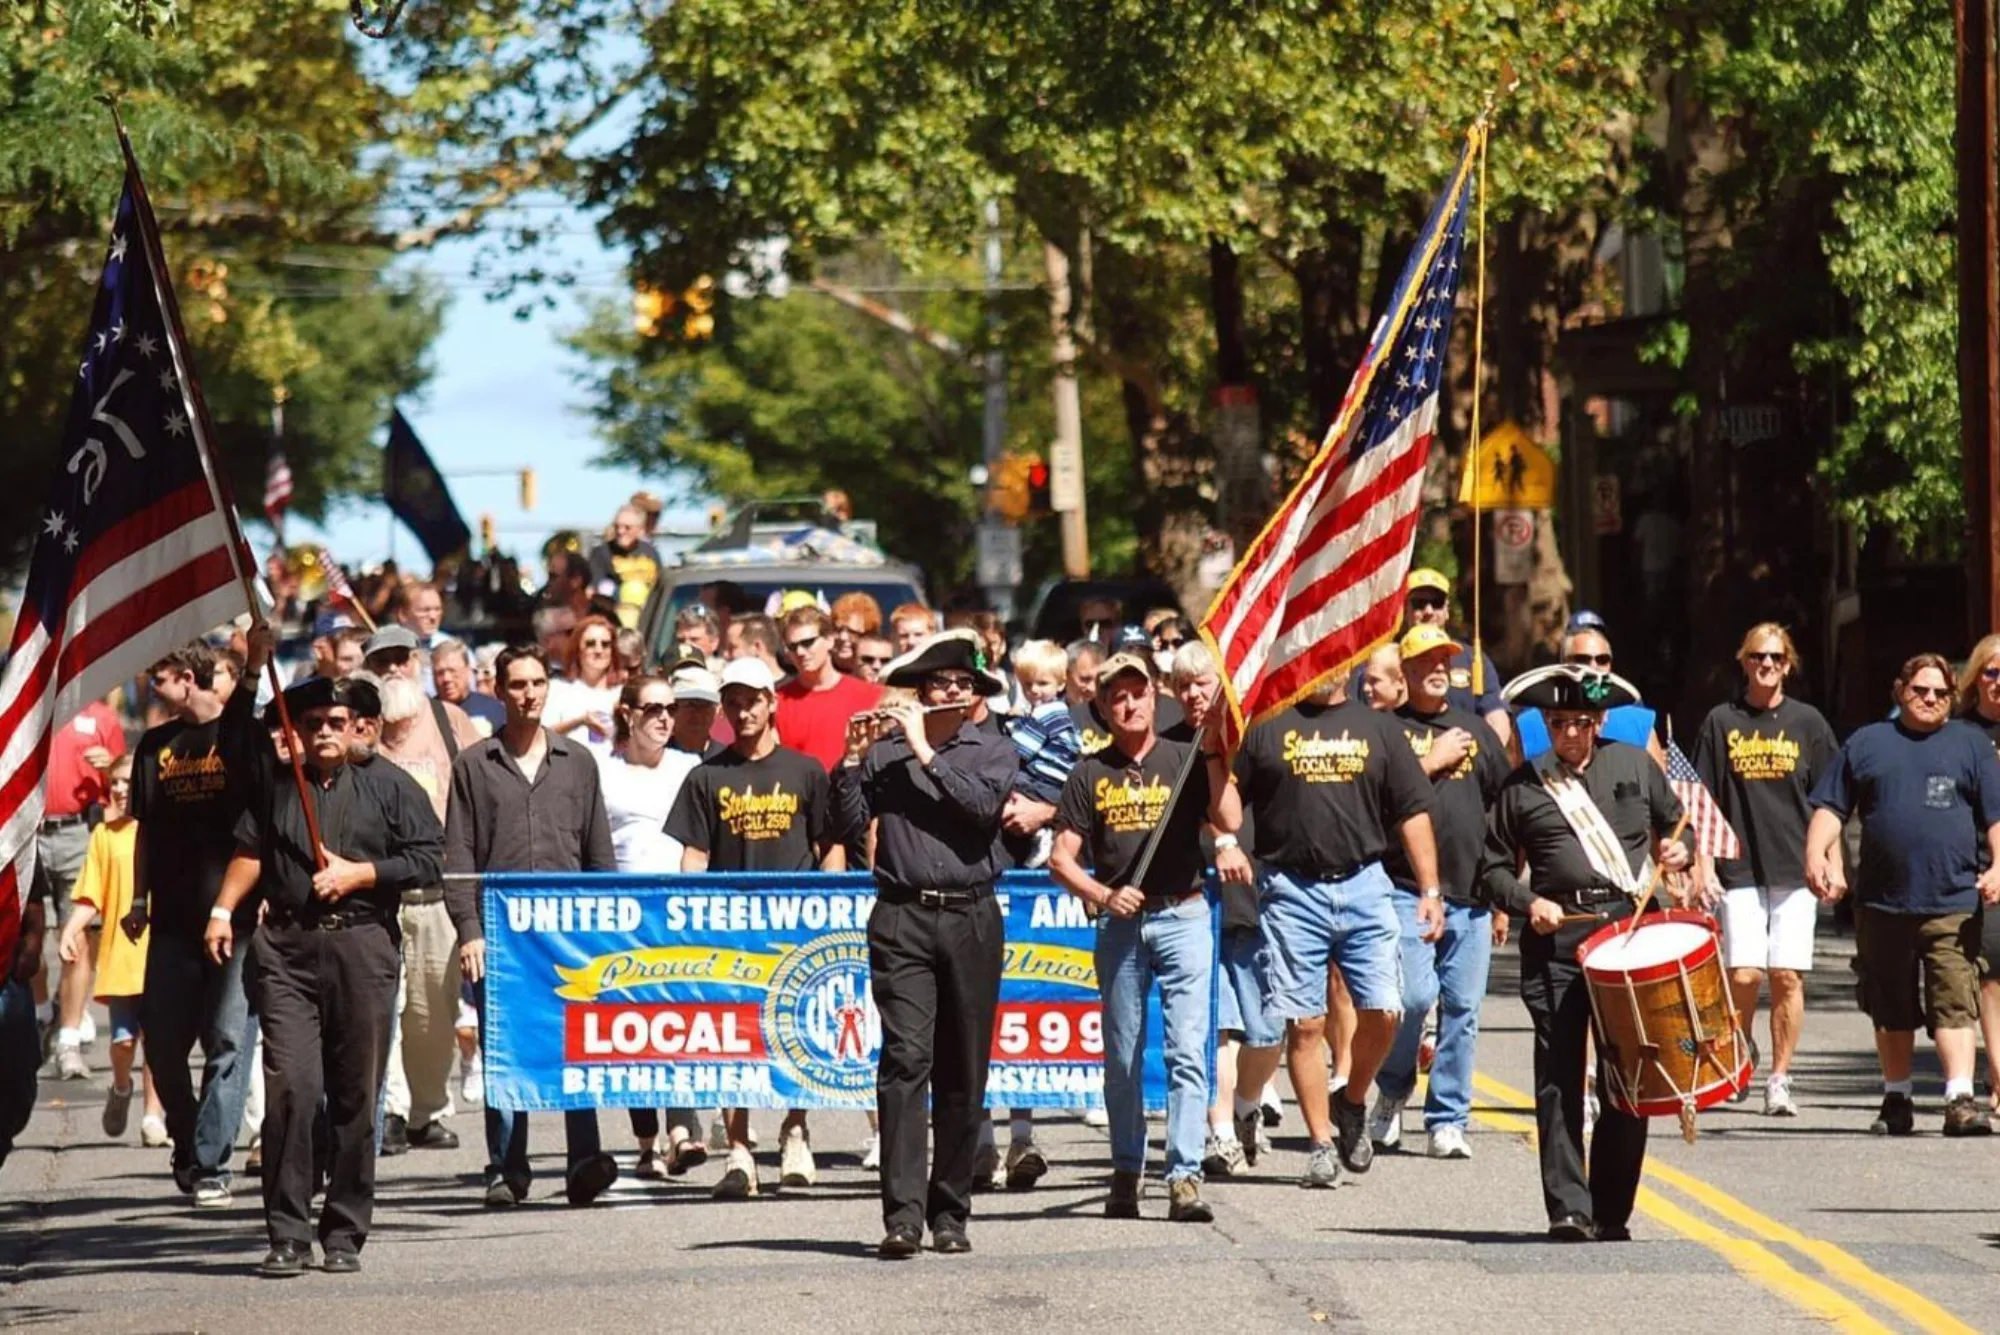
column 959, row 650
column 360, row 697
column 1569, row 686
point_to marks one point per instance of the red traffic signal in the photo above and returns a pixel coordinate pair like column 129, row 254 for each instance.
column 1038, row 487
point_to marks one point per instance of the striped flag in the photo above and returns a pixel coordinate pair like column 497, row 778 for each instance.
column 337, row 586
column 134, row 551
column 277, row 489
column 1712, row 832
column 1323, row 583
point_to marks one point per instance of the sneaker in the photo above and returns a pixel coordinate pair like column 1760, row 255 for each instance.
column 395, row 1136
column 117, row 1111
column 739, row 1179
column 1350, row 1135
column 1184, row 1202
column 1123, row 1202
column 1223, row 1158
column 70, row 1064
column 152, row 1131
column 212, row 1193
column 986, row 1162
column 1025, row 1166
column 86, row 1033
column 871, row 1151
column 1964, row 1117
column 501, row 1194
column 1898, row 1116
column 1385, row 1124
column 1251, row 1135
column 1097, row 1117
column 1448, row 1142
column 1322, row 1168
column 1778, row 1097
column 718, row 1134
column 472, row 1081
column 1271, row 1106
column 1743, row 1094
column 795, row 1159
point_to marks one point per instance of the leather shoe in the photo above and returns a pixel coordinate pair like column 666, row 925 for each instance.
column 589, row 1179
column 285, row 1259
column 950, row 1240
column 341, row 1263
column 395, row 1136
column 502, row 1194
column 900, row 1243
column 1613, row 1233
column 434, row 1136
column 1571, row 1228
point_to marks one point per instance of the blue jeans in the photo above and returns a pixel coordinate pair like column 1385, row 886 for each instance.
column 1239, row 995
column 20, row 1057
column 191, row 999
column 1451, row 972
column 507, row 1133
column 1175, row 947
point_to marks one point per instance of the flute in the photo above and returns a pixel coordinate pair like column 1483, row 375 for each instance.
column 889, row 715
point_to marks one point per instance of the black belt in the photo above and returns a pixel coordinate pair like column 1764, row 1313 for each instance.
column 327, row 922
column 1157, row 903
column 54, row 823
column 1592, row 897
column 1346, row 873
column 932, row 899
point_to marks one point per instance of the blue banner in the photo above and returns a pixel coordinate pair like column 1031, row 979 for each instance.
column 752, row 990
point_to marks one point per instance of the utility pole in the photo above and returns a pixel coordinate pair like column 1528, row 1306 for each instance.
column 1066, row 488
column 1978, row 309
column 999, row 542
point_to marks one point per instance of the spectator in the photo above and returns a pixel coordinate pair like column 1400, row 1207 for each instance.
column 446, row 728
column 1584, row 645
column 625, row 569
column 814, row 707
column 451, row 669
column 336, row 650
column 630, row 651
column 482, row 669
column 581, row 701
column 755, row 635
column 855, row 617
column 568, row 585
column 420, row 607
column 1100, row 618
column 1382, row 679
column 872, row 654
column 911, row 624
column 1169, row 633
column 649, row 507
column 81, row 753
column 1085, row 656
column 696, row 694
column 697, row 627
column 553, row 628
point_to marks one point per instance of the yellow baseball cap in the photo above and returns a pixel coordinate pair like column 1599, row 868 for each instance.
column 1419, row 640
column 1423, row 577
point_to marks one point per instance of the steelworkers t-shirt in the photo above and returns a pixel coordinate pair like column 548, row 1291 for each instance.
column 755, row 815
column 1762, row 765
column 1116, row 802
column 1459, row 799
column 1330, row 784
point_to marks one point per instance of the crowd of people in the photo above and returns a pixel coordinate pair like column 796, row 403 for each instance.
column 1371, row 845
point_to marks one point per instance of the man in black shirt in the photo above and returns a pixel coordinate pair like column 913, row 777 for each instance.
column 1588, row 862
column 934, row 789
column 324, row 965
column 1466, row 765
column 757, row 806
column 191, row 777
column 1329, row 782
column 1153, row 923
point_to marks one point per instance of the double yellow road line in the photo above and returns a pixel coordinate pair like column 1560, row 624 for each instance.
column 1831, row 1297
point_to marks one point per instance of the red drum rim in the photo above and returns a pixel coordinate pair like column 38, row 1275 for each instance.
column 1705, row 1097
column 1653, row 973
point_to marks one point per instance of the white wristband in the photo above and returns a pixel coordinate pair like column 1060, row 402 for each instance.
column 221, row 914
column 1225, row 842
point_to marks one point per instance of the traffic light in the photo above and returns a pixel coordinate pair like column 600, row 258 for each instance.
column 1038, row 486
column 486, row 532
column 527, row 488
column 1007, row 487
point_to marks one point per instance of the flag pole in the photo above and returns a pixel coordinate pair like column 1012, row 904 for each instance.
column 204, row 433
column 1478, row 393
column 1188, row 762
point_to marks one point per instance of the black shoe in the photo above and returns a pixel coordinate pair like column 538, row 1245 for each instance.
column 950, row 1240
column 1613, row 1233
column 285, row 1259
column 1123, row 1202
column 900, row 1243
column 501, row 1194
column 1897, row 1118
column 432, row 1136
column 341, row 1263
column 1571, row 1228
column 589, row 1179
column 1350, row 1134
column 1964, row 1117
column 395, row 1136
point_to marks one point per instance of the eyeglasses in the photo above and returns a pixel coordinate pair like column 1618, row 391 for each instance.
column 597, row 644
column 653, row 709
column 872, row 661
column 1423, row 603
column 1930, row 692
column 1765, row 656
column 1164, row 643
column 313, row 724
column 952, row 681
column 1574, row 723
column 1589, row 660
column 800, row 646
column 390, row 657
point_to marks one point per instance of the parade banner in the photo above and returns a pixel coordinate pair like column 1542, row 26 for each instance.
column 752, row 990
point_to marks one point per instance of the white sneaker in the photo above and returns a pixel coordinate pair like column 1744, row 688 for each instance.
column 739, row 1178
column 1097, row 1117
column 152, row 1132
column 718, row 1133
column 70, row 1064
column 795, row 1159
column 1271, row 1104
column 1385, row 1124
column 871, row 1151
column 472, row 1080
column 1778, row 1097
column 1025, row 1166
column 1448, row 1142
column 86, row 1033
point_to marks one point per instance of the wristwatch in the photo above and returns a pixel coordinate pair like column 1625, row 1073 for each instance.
column 1433, row 892
column 1225, row 842
column 221, row 914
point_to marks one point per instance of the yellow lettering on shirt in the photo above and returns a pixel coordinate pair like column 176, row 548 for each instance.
column 1421, row 744
column 1317, row 759
column 1126, row 807
column 754, row 816
column 1090, row 741
column 191, row 778
column 1754, row 756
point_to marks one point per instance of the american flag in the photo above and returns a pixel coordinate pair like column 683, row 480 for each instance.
column 1323, row 584
column 133, row 553
column 277, row 488
column 1712, row 832
column 337, row 586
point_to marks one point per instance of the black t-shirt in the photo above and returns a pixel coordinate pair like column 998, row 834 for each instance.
column 1459, row 798
column 754, row 815
column 1115, row 803
column 1761, row 765
column 190, row 783
column 1330, row 783
column 1095, row 734
column 1629, row 789
column 1239, row 902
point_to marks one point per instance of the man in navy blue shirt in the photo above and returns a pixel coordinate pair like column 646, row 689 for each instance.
column 1927, row 790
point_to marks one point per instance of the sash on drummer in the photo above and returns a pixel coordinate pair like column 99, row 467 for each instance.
column 1587, row 820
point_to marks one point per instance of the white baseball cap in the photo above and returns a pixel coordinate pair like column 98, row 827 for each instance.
column 751, row 672
column 695, row 683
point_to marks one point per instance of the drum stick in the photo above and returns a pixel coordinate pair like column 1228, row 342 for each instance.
column 1658, row 871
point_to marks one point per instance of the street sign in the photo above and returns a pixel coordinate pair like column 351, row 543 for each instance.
column 1065, row 476
column 1508, row 471
column 1748, row 423
column 1513, row 546
column 999, row 556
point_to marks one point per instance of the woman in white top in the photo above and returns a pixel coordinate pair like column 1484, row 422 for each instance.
column 583, row 700
column 641, row 779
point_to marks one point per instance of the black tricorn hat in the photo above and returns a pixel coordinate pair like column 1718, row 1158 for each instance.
column 958, row 650
column 1569, row 686
column 361, row 697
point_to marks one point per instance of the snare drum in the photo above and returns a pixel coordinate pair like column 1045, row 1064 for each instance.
column 1666, row 1026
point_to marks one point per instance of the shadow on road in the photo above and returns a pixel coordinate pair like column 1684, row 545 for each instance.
column 813, row 1246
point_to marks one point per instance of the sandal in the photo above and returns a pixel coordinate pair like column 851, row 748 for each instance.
column 685, row 1153
column 649, row 1166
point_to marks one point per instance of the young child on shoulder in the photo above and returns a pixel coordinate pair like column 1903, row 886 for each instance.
column 1045, row 737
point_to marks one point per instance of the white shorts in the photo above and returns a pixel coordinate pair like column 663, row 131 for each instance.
column 1768, row 929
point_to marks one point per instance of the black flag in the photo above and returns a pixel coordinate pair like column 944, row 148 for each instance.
column 416, row 493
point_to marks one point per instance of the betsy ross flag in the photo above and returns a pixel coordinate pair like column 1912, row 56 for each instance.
column 277, row 489
column 133, row 552
column 1711, row 829
column 1323, row 583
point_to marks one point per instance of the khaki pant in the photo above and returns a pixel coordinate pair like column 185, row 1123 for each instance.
column 426, row 1042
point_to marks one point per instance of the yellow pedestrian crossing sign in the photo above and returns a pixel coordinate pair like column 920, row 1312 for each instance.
column 1508, row 471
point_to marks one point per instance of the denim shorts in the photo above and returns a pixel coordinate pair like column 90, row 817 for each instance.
column 1239, row 996
column 1307, row 925
column 124, row 1018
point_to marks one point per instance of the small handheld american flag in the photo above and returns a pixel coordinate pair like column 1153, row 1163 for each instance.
column 1712, row 833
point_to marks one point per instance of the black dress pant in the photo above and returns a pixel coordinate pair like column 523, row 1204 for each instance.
column 936, row 979
column 326, row 998
column 1558, row 1002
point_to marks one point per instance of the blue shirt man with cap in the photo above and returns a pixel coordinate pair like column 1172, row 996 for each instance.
column 1585, row 645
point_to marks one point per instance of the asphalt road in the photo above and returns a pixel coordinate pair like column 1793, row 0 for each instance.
column 1760, row 1226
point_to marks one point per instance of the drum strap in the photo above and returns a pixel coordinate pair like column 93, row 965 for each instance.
column 1600, row 844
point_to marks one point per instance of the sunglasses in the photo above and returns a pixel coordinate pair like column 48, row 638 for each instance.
column 1765, row 656
column 873, row 661
column 799, row 646
column 1427, row 604
column 1168, row 644
column 597, row 644
column 953, row 682
column 390, row 657
column 312, row 724
column 1574, row 723
column 1930, row 692
column 1589, row 660
column 653, row 709
column 1990, row 674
